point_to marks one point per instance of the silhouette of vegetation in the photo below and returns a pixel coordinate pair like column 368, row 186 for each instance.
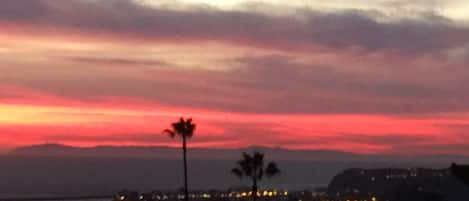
column 252, row 167
column 461, row 172
column 185, row 130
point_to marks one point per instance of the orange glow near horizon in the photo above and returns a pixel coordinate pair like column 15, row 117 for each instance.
column 132, row 122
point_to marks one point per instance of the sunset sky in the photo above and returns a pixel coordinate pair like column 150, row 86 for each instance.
column 365, row 76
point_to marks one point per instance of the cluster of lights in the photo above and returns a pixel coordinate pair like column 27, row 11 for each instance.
column 201, row 195
column 206, row 195
column 159, row 197
column 372, row 199
column 265, row 193
column 403, row 176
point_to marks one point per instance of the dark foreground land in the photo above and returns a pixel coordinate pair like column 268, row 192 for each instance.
column 32, row 176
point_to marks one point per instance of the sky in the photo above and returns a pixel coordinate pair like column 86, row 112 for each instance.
column 362, row 76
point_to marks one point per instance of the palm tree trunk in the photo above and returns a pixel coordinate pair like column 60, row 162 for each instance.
column 254, row 189
column 184, row 150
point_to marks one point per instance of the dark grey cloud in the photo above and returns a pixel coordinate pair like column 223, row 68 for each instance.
column 303, row 31
column 326, row 89
column 271, row 84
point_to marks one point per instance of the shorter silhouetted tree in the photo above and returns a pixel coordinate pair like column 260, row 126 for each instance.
column 252, row 167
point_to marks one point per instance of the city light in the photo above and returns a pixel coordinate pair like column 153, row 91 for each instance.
column 206, row 195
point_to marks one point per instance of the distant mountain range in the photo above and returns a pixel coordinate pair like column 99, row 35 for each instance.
column 211, row 153
column 174, row 152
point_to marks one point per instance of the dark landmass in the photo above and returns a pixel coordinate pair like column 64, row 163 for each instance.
column 212, row 154
column 396, row 184
column 172, row 153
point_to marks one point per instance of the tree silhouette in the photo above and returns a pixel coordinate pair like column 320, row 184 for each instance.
column 183, row 129
column 252, row 167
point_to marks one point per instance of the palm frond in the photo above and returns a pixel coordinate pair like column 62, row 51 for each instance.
column 190, row 128
column 178, row 127
column 258, row 159
column 237, row 172
column 272, row 170
column 246, row 164
column 181, row 121
column 170, row 133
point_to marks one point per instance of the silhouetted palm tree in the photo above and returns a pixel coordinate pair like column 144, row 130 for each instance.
column 184, row 129
column 252, row 167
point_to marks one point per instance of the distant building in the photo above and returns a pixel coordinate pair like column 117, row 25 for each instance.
column 416, row 184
